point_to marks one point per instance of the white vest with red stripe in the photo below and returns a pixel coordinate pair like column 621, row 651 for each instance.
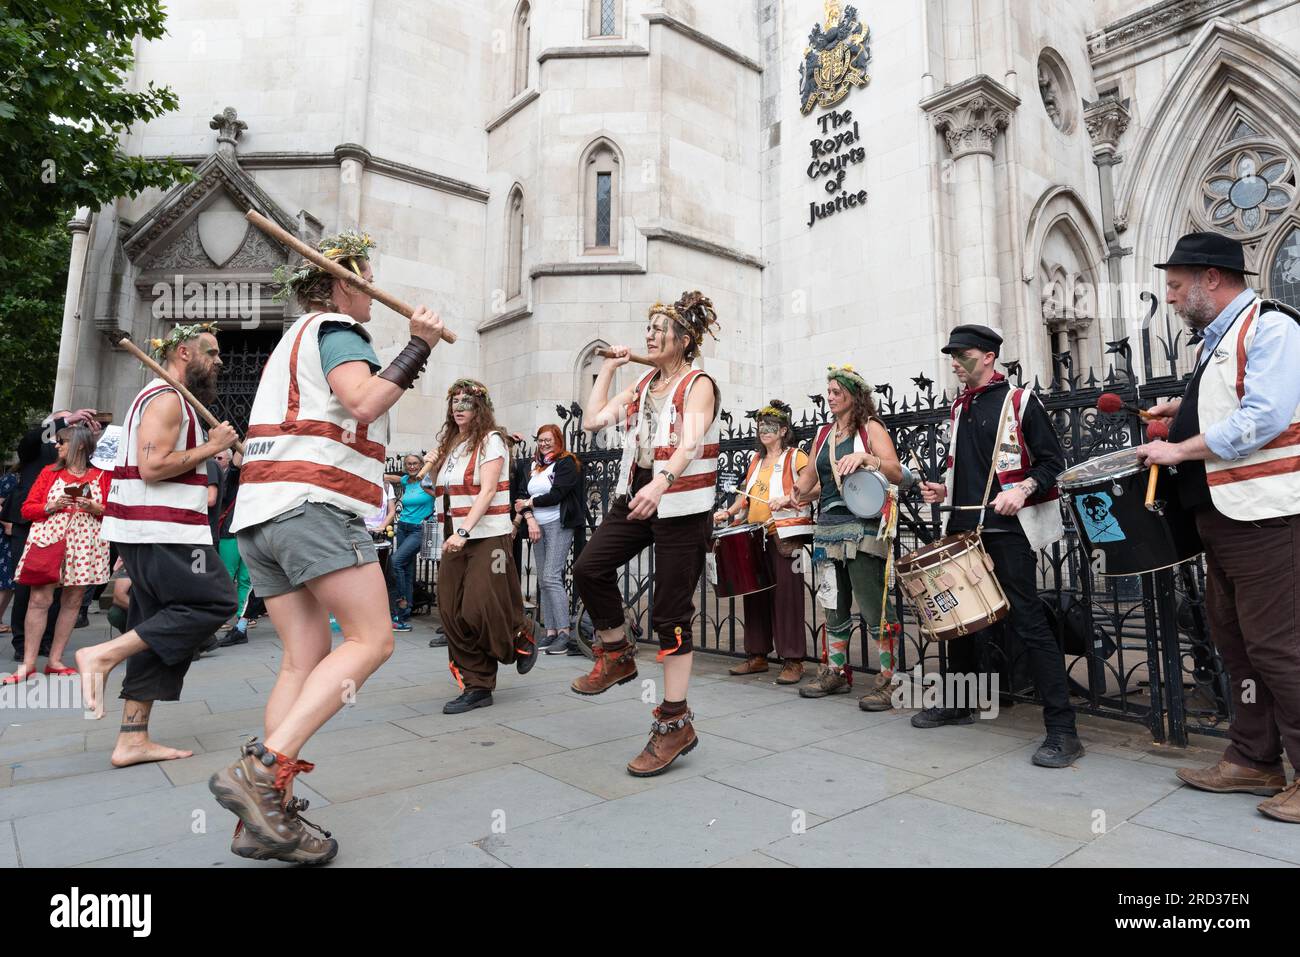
column 462, row 486
column 302, row 445
column 173, row 511
column 1265, row 483
column 695, row 489
column 1040, row 519
column 790, row 522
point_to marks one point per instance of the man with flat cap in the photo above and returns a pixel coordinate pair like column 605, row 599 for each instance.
column 1004, row 430
column 1235, row 439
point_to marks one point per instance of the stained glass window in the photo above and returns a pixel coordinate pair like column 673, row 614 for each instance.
column 603, row 197
column 1284, row 278
column 1247, row 189
column 607, row 28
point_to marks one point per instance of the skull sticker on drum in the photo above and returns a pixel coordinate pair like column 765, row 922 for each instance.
column 1094, row 510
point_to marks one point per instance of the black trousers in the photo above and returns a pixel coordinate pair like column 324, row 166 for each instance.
column 1016, row 567
column 23, row 594
column 180, row 596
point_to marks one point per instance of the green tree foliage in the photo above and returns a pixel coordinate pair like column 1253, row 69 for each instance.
column 64, row 106
column 31, row 313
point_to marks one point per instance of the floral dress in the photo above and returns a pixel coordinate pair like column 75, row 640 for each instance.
column 85, row 561
column 8, row 483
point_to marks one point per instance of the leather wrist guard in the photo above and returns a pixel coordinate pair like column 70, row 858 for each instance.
column 408, row 364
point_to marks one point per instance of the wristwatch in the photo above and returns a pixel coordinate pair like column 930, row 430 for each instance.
column 669, row 477
column 462, row 533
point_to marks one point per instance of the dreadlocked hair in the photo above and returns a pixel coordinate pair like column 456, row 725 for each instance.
column 779, row 414
column 694, row 316
column 481, row 426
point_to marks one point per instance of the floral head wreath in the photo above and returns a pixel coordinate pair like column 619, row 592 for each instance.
column 470, row 387
column 160, row 347
column 848, row 377
column 349, row 247
column 776, row 409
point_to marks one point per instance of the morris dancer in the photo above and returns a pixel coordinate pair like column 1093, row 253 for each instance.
column 157, row 513
column 989, row 418
column 775, row 616
column 852, row 551
column 313, row 467
column 479, row 599
column 1235, row 438
column 665, row 499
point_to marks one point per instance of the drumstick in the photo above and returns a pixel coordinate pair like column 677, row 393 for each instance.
column 337, row 270
column 1151, row 488
column 632, row 357
column 1110, row 403
column 747, row 495
column 123, row 339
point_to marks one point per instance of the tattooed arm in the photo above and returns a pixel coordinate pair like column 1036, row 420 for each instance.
column 160, row 426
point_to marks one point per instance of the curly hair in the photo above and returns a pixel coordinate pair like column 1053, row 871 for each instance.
column 692, row 315
column 481, row 426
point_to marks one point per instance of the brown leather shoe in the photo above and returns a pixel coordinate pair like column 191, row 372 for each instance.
column 1228, row 778
column 791, row 672
column 668, row 741
column 828, row 681
column 880, row 697
column 611, row 668
column 753, row 665
column 1285, row 806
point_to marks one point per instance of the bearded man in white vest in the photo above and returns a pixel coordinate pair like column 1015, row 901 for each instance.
column 157, row 514
column 313, row 470
column 1235, row 440
column 1002, row 443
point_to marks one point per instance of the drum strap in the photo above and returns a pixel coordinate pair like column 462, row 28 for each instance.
column 993, row 462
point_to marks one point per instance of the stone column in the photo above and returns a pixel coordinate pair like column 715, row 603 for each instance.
column 70, row 335
column 352, row 159
column 352, row 154
column 1107, row 119
column 970, row 115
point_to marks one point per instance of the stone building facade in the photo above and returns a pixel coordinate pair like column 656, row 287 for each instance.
column 847, row 184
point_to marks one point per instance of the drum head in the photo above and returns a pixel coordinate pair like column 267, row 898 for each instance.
column 1112, row 465
column 737, row 530
column 865, row 493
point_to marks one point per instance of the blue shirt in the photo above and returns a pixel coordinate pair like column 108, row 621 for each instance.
column 1272, row 383
column 417, row 503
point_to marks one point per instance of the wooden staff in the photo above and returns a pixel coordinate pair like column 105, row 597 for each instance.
column 337, row 270
column 123, row 340
column 1151, row 488
column 641, row 360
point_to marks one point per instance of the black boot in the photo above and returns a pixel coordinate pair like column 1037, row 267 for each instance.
column 1060, row 749
column 469, row 699
column 938, row 717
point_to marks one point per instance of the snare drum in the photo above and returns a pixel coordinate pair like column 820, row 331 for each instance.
column 740, row 557
column 865, row 493
column 1107, row 497
column 951, row 584
column 431, row 541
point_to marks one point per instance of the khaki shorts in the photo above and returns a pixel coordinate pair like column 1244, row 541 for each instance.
column 314, row 539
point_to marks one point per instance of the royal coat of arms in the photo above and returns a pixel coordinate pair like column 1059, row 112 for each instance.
column 835, row 59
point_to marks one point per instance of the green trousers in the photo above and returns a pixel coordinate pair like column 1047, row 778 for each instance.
column 238, row 571
column 863, row 578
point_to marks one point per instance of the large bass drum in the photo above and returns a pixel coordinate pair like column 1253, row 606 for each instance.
column 739, row 561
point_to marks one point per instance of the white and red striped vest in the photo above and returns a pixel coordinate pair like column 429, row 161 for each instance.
column 302, row 445
column 1040, row 519
column 790, row 522
column 695, row 489
column 462, row 486
column 1266, row 483
column 173, row 511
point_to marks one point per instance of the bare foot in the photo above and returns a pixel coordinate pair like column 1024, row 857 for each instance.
column 94, row 673
column 142, row 752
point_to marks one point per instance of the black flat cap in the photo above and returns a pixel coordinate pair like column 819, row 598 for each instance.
column 1208, row 249
column 973, row 337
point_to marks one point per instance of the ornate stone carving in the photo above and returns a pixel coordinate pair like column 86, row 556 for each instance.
column 186, row 253
column 257, row 252
column 971, row 114
column 1051, row 101
column 1151, row 22
column 229, row 129
column 1107, row 119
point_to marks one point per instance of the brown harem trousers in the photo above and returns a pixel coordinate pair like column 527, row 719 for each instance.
column 482, row 609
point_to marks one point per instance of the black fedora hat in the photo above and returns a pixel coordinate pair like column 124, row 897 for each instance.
column 1209, row 249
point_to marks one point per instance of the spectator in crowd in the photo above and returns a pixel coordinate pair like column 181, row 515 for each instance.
column 417, row 505
column 230, row 463
column 64, row 546
column 8, row 482
column 553, row 510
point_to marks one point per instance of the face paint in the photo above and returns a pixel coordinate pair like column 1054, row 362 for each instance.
column 462, row 405
column 969, row 363
column 766, row 429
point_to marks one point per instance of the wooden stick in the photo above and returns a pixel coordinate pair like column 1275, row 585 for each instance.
column 337, row 270
column 640, row 360
column 123, row 340
column 1151, row 488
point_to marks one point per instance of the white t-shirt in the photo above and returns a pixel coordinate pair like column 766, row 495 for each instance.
column 539, row 484
column 453, row 470
column 375, row 521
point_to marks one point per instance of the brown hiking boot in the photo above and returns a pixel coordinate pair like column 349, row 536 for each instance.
column 1228, row 778
column 791, row 672
column 253, row 790
column 1285, row 806
column 311, row 849
column 668, row 741
column 753, row 665
column 611, row 668
column 828, row 681
column 880, row 697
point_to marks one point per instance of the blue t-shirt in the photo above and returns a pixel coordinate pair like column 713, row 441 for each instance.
column 417, row 503
column 340, row 343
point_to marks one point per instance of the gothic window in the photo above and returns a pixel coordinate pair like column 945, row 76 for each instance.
column 1247, row 187
column 601, row 198
column 1284, row 277
column 515, row 244
column 523, row 29
column 604, row 17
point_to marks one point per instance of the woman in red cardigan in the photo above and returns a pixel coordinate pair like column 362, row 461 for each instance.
column 65, row 506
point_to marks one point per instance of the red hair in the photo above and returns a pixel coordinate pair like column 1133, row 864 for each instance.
column 560, row 450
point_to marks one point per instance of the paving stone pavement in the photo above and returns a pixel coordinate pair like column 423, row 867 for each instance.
column 538, row 779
